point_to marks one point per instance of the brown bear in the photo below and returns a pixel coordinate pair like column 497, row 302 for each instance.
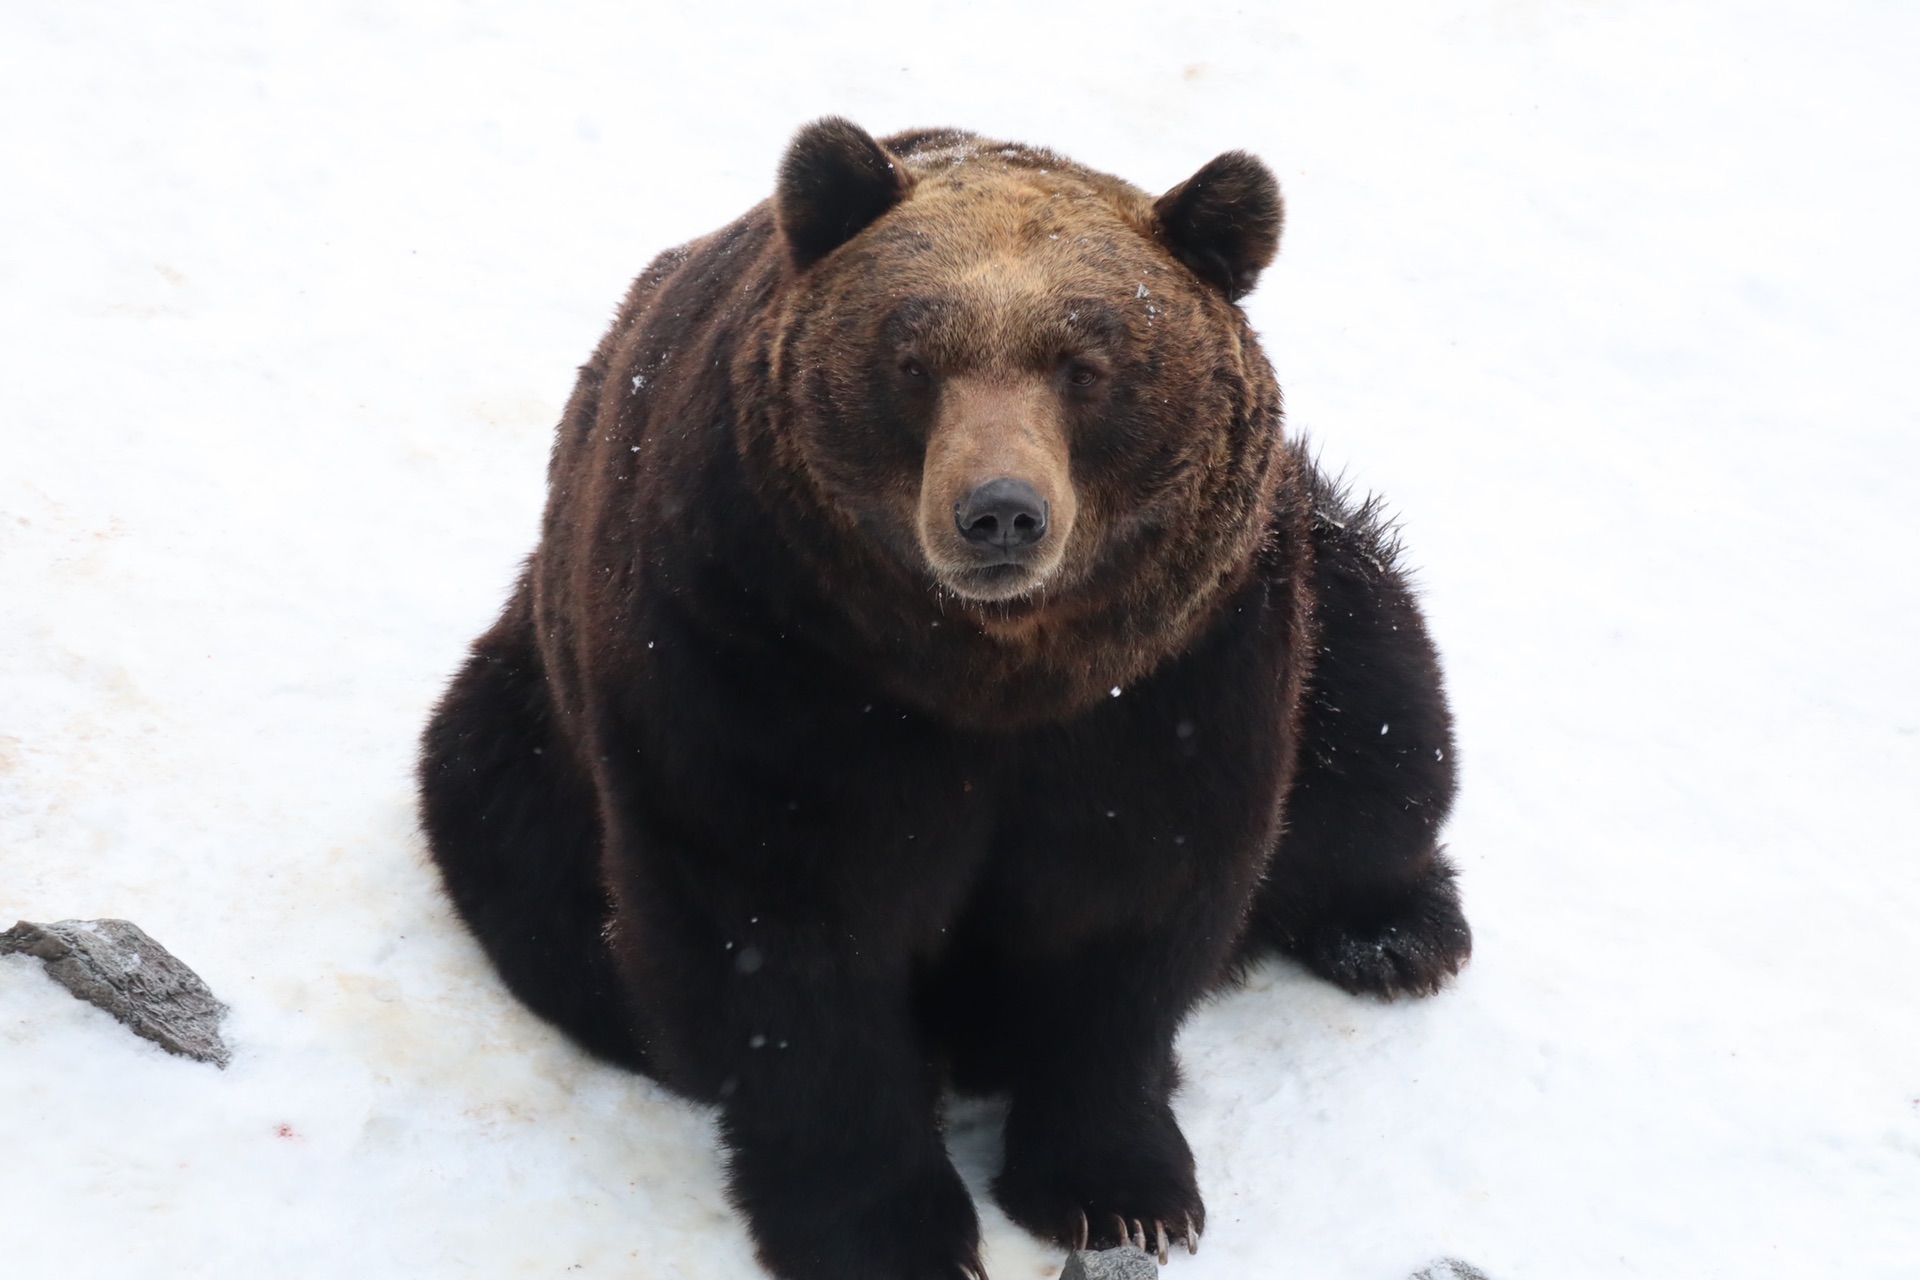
column 938, row 670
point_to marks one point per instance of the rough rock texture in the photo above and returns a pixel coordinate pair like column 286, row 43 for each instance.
column 1450, row 1269
column 1123, row 1263
column 115, row 965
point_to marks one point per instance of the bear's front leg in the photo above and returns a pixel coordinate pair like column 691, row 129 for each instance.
column 1094, row 1156
column 774, row 880
column 792, row 1016
column 1121, row 873
column 835, row 1154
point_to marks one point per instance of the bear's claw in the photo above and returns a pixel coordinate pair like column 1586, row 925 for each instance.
column 1136, row 1235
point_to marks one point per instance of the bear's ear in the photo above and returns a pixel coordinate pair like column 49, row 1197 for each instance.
column 834, row 181
column 1224, row 222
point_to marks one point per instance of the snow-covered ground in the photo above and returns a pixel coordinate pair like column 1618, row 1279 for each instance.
column 1615, row 301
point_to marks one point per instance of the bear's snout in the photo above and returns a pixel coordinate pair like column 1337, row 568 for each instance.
column 997, row 504
column 1002, row 519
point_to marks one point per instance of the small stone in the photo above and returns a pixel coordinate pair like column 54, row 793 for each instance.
column 1450, row 1269
column 1123, row 1263
column 115, row 965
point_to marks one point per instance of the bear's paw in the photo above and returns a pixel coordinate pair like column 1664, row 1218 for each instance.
column 855, row 1223
column 1411, row 947
column 1103, row 1184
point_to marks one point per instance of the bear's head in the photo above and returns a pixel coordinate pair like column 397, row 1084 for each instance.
column 1023, row 382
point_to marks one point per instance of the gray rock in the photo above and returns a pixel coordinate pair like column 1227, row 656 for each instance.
column 115, row 965
column 1450, row 1269
column 1124, row 1263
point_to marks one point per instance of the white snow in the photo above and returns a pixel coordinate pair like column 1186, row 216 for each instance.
column 1614, row 302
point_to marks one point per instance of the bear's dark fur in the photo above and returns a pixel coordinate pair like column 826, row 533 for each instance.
column 937, row 668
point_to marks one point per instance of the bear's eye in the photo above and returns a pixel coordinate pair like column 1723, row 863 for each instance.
column 914, row 369
column 1082, row 375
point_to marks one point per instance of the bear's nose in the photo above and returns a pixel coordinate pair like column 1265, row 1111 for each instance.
column 1004, row 516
